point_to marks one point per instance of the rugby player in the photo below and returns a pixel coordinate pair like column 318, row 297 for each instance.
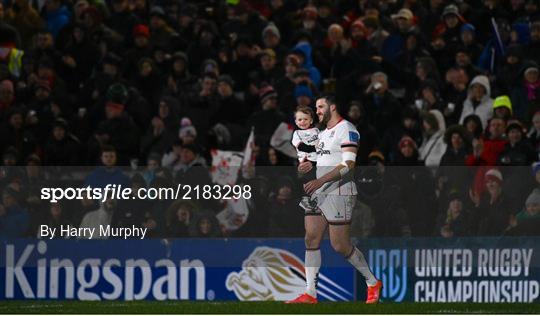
column 335, row 193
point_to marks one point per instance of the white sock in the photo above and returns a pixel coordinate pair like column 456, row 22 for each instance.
column 313, row 264
column 356, row 258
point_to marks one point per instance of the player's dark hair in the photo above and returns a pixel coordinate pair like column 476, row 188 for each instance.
column 306, row 110
column 331, row 100
column 108, row 149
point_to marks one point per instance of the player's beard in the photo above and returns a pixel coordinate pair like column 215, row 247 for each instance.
column 326, row 117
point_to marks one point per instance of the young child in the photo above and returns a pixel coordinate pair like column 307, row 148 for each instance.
column 304, row 140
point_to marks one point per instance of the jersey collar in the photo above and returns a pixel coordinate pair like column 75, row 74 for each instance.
column 341, row 119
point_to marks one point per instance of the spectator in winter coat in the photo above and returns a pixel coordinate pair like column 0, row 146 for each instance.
column 192, row 168
column 518, row 151
column 124, row 132
column 410, row 126
column 534, row 133
column 473, row 125
column 486, row 150
column 382, row 108
column 179, row 217
column 108, row 173
column 269, row 71
column 479, row 101
column 267, row 119
column 101, row 217
column 304, row 51
column 526, row 222
column 57, row 16
column 395, row 42
column 454, row 222
column 14, row 219
column 284, row 221
column 378, row 189
column 526, row 95
column 516, row 158
column 533, row 48
column 63, row 148
column 455, row 94
column 271, row 37
column 493, row 211
column 452, row 169
column 416, row 183
column 450, row 28
column 370, row 139
column 230, row 108
column 204, row 224
column 56, row 218
column 164, row 126
column 433, row 145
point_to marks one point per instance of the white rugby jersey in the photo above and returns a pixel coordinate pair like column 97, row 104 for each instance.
column 331, row 141
column 309, row 137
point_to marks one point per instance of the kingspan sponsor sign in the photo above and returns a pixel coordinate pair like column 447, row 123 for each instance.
column 456, row 270
column 188, row 269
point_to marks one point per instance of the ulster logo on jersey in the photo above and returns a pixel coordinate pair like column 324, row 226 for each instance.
column 321, row 151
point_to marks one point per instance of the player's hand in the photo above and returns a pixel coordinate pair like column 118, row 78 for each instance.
column 305, row 166
column 312, row 186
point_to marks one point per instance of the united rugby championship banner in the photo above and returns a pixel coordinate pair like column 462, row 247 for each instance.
column 423, row 270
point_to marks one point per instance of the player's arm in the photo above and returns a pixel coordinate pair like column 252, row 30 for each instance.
column 348, row 162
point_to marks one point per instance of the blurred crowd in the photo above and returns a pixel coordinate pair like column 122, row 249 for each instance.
column 445, row 95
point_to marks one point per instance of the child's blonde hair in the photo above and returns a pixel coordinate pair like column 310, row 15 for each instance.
column 306, row 110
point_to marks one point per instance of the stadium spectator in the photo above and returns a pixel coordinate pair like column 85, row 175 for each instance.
column 479, row 101
column 526, row 96
column 204, row 224
column 502, row 107
column 526, row 222
column 285, row 217
column 231, row 110
column 303, row 51
column 108, row 173
column 458, row 141
column 370, row 139
column 14, row 219
column 453, row 222
column 179, row 216
column 192, row 168
column 395, row 42
column 380, row 192
column 458, row 146
column 417, row 184
column 534, row 133
column 267, row 119
column 7, row 97
column 163, row 133
column 94, row 220
column 57, row 16
column 63, row 148
column 131, row 211
column 382, row 108
column 433, row 145
column 56, row 218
